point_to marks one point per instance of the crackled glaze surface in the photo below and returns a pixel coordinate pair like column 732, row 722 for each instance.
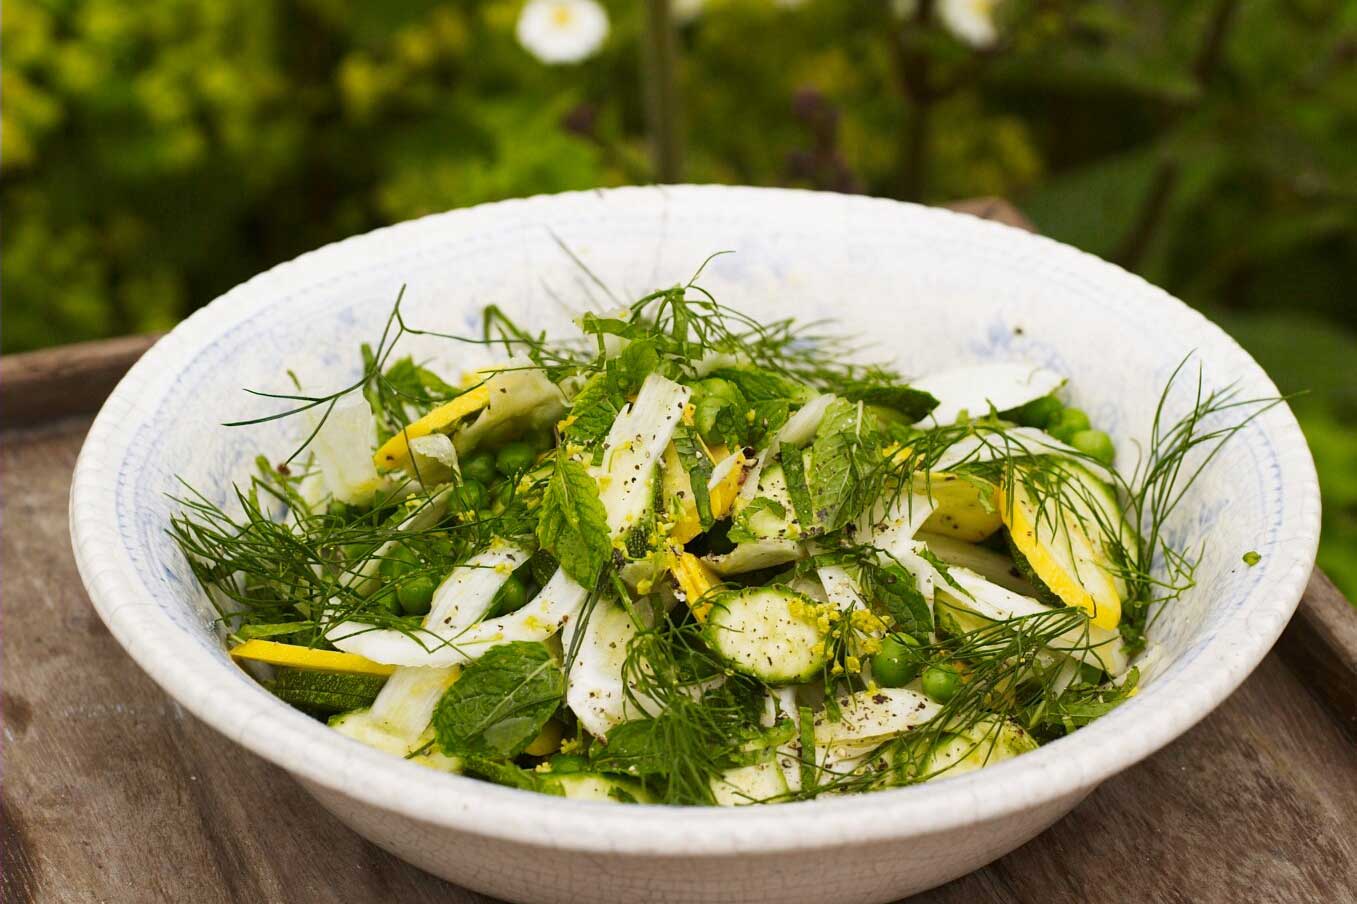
column 926, row 288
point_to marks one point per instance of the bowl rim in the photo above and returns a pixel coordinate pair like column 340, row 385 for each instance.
column 248, row 715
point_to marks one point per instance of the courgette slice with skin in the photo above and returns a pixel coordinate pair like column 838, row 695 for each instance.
column 771, row 633
column 965, row 507
column 1096, row 505
column 325, row 692
column 608, row 788
column 298, row 657
column 1052, row 547
column 988, row 742
column 754, row 784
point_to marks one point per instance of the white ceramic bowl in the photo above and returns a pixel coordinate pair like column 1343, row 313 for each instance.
column 928, row 287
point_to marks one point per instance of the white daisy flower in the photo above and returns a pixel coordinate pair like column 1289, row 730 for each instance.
column 562, row 31
column 971, row 21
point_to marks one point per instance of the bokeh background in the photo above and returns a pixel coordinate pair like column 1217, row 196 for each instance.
column 155, row 154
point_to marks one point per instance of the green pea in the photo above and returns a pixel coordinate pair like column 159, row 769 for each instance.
column 397, row 563
column 503, row 492
column 1070, row 422
column 510, row 597
column 469, row 495
column 1095, row 443
column 542, row 440
column 704, row 417
column 514, row 458
column 941, row 682
column 416, row 594
column 1039, row 413
column 386, row 598
column 898, row 662
column 715, row 387
column 479, row 467
column 568, row 762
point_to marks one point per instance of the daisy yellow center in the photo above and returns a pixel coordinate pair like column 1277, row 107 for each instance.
column 561, row 15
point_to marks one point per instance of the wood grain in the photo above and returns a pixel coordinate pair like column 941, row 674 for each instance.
column 1320, row 644
column 70, row 379
column 112, row 793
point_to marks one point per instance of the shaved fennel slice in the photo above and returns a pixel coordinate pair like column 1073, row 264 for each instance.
column 755, row 555
column 780, row 703
column 429, row 513
column 1100, row 647
column 595, row 688
column 867, row 718
column 398, row 720
column 634, row 445
column 841, row 589
column 520, row 393
column 1011, row 442
column 463, row 597
column 976, row 389
column 557, row 604
column 343, row 449
column 991, row 565
column 433, row 459
column 800, row 427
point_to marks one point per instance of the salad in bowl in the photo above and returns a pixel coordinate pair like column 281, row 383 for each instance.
column 687, row 556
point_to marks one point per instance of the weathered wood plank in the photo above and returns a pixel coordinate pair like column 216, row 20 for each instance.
column 1320, row 645
column 113, row 793
column 53, row 383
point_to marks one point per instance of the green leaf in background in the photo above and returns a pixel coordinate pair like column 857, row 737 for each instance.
column 1307, row 355
column 500, row 702
column 1094, row 206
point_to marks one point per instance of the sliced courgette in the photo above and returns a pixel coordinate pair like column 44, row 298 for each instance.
column 964, row 506
column 754, row 784
column 1052, row 546
column 771, row 633
column 294, row 656
column 988, row 742
column 325, row 692
column 591, row 786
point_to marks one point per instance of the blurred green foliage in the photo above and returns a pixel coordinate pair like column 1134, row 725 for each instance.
column 156, row 154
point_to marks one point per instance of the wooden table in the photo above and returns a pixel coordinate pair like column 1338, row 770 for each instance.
column 112, row 793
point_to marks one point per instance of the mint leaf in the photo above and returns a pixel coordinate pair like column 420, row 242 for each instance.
column 846, row 473
column 910, row 403
column 500, row 702
column 794, row 470
column 881, row 387
column 635, row 748
column 771, row 396
column 573, row 526
column 502, row 773
column 604, row 394
column 695, row 461
column 897, row 592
